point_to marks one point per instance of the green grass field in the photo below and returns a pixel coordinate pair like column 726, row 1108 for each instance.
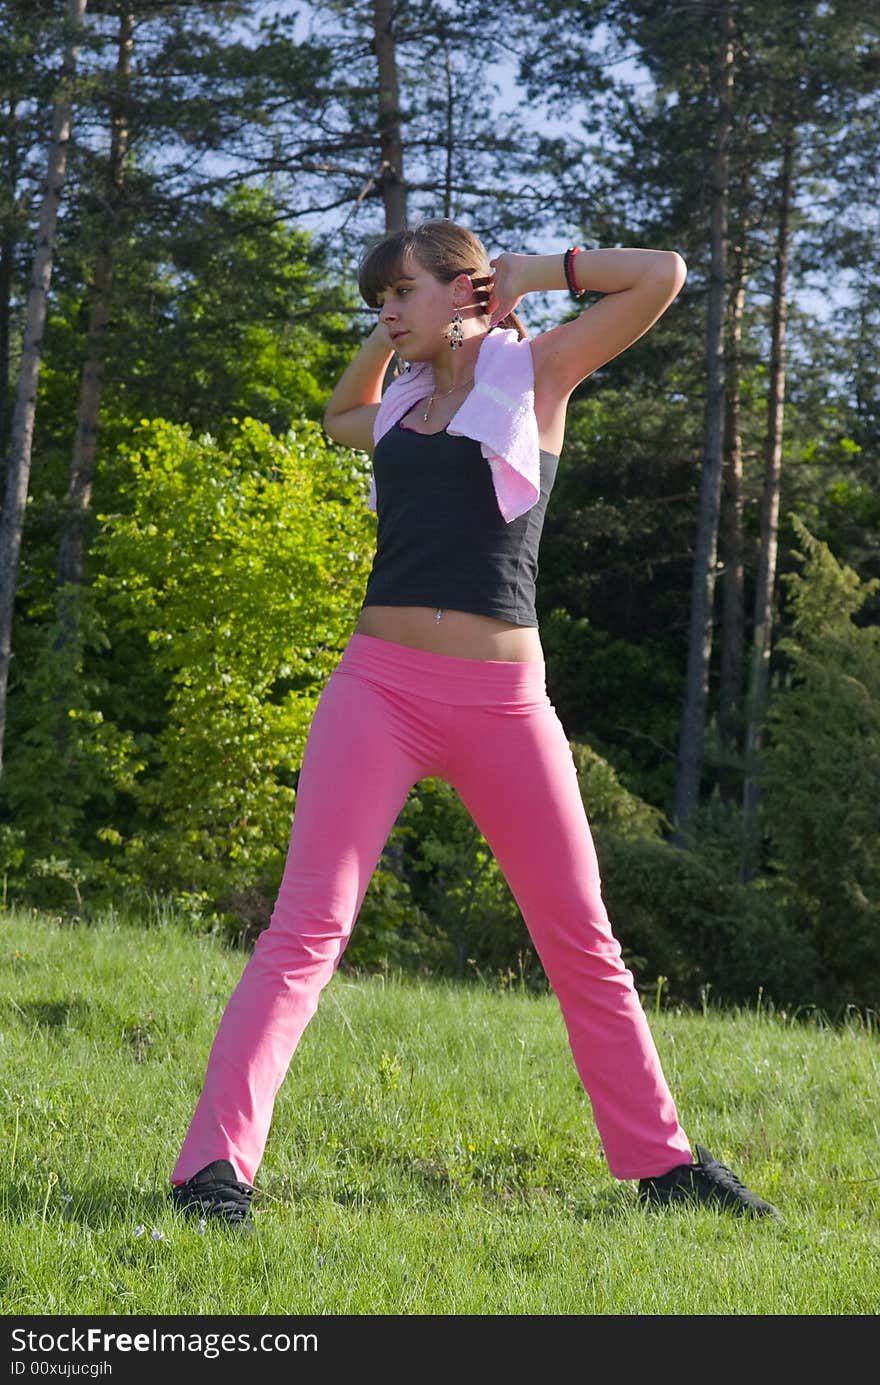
column 433, row 1151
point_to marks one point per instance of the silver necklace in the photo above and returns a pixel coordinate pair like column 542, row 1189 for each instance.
column 443, row 396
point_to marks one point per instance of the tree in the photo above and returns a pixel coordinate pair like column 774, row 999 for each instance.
column 28, row 77
column 822, row 768
column 762, row 627
column 819, row 70
column 395, row 126
column 251, row 327
column 70, row 555
column 801, row 70
column 391, row 176
column 18, row 473
column 690, row 746
column 237, row 567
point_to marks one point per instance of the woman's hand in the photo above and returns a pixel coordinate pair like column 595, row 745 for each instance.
column 381, row 336
column 508, row 285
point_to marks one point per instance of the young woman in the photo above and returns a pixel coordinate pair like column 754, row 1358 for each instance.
column 444, row 676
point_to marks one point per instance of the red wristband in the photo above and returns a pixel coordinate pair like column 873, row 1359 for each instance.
column 567, row 260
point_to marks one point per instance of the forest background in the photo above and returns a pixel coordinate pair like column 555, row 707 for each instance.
column 185, row 191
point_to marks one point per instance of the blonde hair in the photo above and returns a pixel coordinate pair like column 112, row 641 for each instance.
column 440, row 246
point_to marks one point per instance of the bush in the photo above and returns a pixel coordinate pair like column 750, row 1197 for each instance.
column 677, row 918
column 239, row 566
column 441, row 903
column 391, row 931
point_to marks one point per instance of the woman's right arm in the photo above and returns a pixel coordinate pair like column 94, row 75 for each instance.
column 353, row 405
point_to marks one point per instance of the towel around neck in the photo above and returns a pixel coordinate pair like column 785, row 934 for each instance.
column 498, row 413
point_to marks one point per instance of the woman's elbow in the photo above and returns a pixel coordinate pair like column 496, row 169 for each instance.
column 678, row 270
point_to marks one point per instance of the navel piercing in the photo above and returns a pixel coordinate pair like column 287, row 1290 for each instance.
column 437, row 616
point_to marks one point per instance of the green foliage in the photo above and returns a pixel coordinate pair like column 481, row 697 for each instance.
column 620, row 694
column 392, row 931
column 679, row 918
column 66, row 763
column 240, row 566
column 457, row 882
column 224, row 309
column 249, row 324
column 12, row 856
column 615, row 576
column 443, row 907
column 822, row 771
column 610, row 806
column 226, row 312
column 678, row 914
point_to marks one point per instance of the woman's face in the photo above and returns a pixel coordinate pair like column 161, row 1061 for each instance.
column 417, row 310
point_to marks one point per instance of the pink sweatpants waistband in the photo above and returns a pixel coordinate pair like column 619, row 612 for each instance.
column 444, row 677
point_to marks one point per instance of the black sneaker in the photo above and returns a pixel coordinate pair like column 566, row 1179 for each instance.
column 215, row 1192
column 705, row 1181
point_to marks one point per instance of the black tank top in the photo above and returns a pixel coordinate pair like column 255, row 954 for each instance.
column 441, row 540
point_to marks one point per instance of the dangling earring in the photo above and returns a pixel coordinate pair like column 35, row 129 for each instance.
column 456, row 335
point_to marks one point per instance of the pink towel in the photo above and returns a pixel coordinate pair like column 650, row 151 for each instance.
column 498, row 413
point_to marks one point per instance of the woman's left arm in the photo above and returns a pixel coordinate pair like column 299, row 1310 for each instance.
column 638, row 285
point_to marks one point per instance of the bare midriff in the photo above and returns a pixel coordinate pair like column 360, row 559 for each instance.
column 460, row 633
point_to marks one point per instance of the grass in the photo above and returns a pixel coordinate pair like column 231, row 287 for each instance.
column 432, row 1152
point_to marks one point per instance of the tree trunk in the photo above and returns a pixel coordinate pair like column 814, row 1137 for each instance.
column 391, row 178
column 7, row 256
column 762, row 636
column 731, row 535
column 18, row 475
column 690, row 748
column 450, row 135
column 79, row 490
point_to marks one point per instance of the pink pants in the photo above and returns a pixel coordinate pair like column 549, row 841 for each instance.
column 387, row 717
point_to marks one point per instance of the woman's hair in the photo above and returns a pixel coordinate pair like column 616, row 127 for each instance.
column 442, row 247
